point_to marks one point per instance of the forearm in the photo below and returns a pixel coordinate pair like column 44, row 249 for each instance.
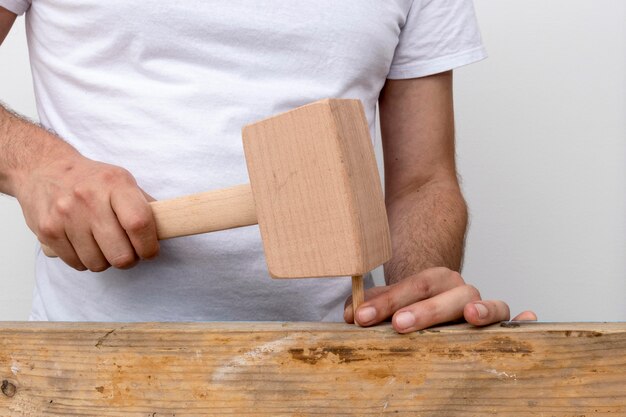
column 427, row 214
column 25, row 146
column 428, row 225
column 6, row 21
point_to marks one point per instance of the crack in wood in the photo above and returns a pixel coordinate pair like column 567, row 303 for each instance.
column 103, row 338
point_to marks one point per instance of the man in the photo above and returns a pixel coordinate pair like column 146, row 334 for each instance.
column 162, row 89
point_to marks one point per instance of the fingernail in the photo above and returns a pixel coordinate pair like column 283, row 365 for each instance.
column 482, row 310
column 405, row 319
column 366, row 314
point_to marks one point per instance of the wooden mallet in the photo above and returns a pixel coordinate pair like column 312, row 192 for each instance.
column 314, row 191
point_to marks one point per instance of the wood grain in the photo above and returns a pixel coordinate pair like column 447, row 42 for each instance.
column 311, row 369
column 358, row 293
column 205, row 212
column 317, row 191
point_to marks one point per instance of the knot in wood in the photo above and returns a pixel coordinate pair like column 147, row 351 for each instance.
column 8, row 388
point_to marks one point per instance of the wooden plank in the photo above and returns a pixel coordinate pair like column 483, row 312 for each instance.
column 311, row 369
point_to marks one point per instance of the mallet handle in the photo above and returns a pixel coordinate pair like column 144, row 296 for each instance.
column 201, row 213
column 205, row 212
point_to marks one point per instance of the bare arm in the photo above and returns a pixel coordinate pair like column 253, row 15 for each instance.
column 93, row 215
column 427, row 215
column 6, row 22
column 25, row 145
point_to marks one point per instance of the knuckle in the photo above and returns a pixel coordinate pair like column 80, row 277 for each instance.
column 73, row 261
column 421, row 286
column 99, row 267
column 432, row 273
column 115, row 175
column 456, row 278
column 137, row 223
column 152, row 251
column 49, row 230
column 473, row 292
column 123, row 261
column 83, row 192
column 389, row 304
column 76, row 264
column 93, row 260
column 63, row 206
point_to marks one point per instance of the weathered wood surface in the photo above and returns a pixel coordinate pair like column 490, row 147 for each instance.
column 307, row 369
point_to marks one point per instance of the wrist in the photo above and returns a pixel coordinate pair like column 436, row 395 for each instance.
column 25, row 146
column 41, row 150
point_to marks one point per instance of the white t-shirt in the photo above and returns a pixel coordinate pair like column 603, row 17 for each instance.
column 163, row 89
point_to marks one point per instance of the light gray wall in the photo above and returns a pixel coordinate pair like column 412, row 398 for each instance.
column 16, row 242
column 542, row 151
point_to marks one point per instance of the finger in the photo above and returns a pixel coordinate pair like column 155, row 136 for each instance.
column 52, row 234
column 413, row 289
column 64, row 250
column 113, row 240
column 486, row 312
column 88, row 250
column 105, row 242
column 525, row 316
column 439, row 309
column 135, row 217
column 348, row 313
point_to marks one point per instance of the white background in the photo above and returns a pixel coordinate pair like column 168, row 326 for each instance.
column 541, row 134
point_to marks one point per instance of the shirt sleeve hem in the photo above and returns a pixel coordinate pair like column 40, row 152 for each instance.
column 16, row 6
column 437, row 65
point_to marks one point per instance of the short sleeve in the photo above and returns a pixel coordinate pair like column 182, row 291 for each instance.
column 15, row 6
column 438, row 35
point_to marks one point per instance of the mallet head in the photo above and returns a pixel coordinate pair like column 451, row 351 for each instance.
column 317, row 191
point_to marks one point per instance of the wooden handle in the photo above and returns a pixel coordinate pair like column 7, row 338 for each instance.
column 201, row 213
column 205, row 212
